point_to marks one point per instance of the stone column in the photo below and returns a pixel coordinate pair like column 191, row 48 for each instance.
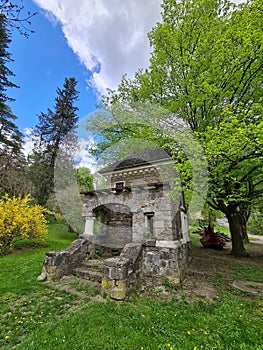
column 184, row 221
column 89, row 224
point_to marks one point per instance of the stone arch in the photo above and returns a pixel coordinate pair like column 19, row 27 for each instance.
column 114, row 225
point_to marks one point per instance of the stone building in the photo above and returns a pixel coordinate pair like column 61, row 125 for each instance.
column 136, row 204
column 137, row 214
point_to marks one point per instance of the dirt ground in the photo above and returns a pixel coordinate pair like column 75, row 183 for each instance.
column 208, row 268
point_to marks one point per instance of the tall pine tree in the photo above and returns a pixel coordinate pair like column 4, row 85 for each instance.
column 13, row 169
column 51, row 131
column 10, row 137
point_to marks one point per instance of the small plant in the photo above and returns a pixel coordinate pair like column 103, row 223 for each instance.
column 94, row 256
column 212, row 239
column 169, row 286
column 149, row 235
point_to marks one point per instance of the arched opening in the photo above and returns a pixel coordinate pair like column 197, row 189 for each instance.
column 113, row 225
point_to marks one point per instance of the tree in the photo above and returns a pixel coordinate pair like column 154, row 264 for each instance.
column 13, row 172
column 10, row 19
column 84, row 179
column 10, row 137
column 13, row 164
column 207, row 58
column 15, row 16
column 51, row 131
column 14, row 176
column 234, row 151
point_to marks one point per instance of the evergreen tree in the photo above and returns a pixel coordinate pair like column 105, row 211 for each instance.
column 13, row 170
column 10, row 137
column 51, row 131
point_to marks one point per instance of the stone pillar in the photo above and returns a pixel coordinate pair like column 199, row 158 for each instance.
column 89, row 224
column 184, row 222
column 114, row 277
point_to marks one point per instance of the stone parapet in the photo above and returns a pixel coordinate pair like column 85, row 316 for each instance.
column 121, row 274
column 167, row 259
column 152, row 259
column 59, row 263
column 158, row 260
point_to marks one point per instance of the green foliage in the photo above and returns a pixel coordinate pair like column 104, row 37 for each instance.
column 234, row 152
column 36, row 315
column 255, row 222
column 205, row 67
column 201, row 61
column 150, row 325
column 20, row 219
column 84, row 180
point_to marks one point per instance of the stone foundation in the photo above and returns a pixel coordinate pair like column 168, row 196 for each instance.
column 120, row 275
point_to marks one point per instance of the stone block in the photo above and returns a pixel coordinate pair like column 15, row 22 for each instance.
column 107, row 284
column 150, row 243
column 159, row 224
column 132, row 251
column 114, row 289
column 117, row 262
column 163, row 263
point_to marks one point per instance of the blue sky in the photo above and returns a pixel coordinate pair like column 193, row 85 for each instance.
column 41, row 64
column 94, row 41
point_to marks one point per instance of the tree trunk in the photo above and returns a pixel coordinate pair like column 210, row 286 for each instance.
column 243, row 224
column 235, row 228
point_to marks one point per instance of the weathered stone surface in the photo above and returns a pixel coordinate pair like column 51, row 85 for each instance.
column 117, row 262
column 60, row 263
column 150, row 243
column 131, row 216
column 131, row 251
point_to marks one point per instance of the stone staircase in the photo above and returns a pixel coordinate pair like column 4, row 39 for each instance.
column 90, row 270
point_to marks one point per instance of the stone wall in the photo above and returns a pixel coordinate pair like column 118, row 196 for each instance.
column 158, row 260
column 153, row 259
column 61, row 262
column 120, row 275
column 115, row 225
column 165, row 259
column 141, row 201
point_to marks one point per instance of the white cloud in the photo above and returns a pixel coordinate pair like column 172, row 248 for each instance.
column 28, row 141
column 109, row 37
column 83, row 158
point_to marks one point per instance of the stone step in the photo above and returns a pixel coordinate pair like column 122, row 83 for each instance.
column 94, row 265
column 87, row 274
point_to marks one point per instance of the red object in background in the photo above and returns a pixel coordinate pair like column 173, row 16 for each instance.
column 211, row 240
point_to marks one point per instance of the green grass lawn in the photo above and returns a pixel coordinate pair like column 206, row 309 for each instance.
column 36, row 316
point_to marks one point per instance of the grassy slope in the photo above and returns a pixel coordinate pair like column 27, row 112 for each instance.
column 35, row 316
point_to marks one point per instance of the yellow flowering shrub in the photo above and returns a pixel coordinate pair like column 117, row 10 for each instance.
column 20, row 219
